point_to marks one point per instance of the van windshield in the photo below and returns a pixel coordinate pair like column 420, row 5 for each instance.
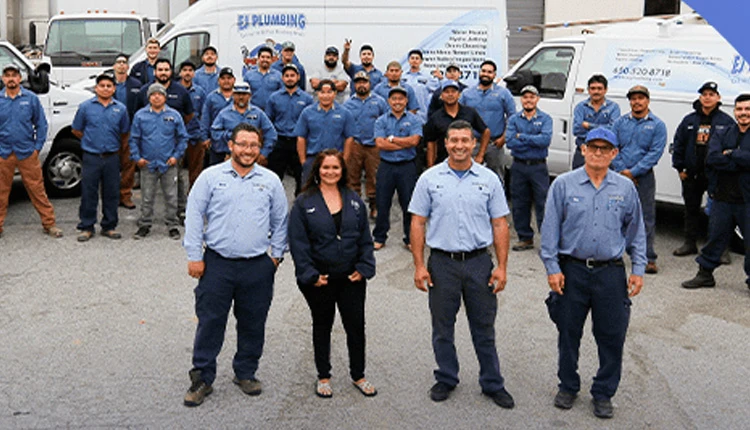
column 91, row 42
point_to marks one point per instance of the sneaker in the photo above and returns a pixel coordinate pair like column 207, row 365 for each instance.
column 53, row 231
column 603, row 408
column 174, row 234
column 687, row 248
column 142, row 232
column 440, row 391
column 564, row 400
column 651, row 268
column 523, row 245
column 501, row 398
column 251, row 387
column 85, row 235
column 198, row 390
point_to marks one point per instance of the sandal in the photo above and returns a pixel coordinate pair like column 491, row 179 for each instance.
column 365, row 387
column 324, row 390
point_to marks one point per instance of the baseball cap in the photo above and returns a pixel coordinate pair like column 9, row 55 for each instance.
column 602, row 133
column 11, row 66
column 361, row 75
column 226, row 71
column 156, row 88
column 529, row 89
column 713, row 86
column 453, row 65
column 398, row 89
column 288, row 45
column 289, row 66
column 242, row 88
column 332, row 50
column 108, row 76
column 639, row 89
column 450, row 84
column 208, row 48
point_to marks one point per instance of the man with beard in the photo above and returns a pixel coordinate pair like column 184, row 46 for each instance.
column 215, row 102
column 207, row 76
column 596, row 111
column 145, row 70
column 287, row 57
column 528, row 137
column 495, row 105
column 195, row 151
column 177, row 96
column 642, row 137
column 127, row 92
column 263, row 80
column 436, row 127
column 393, row 80
column 237, row 210
column 241, row 111
column 452, row 73
column 333, row 71
column 366, row 108
column 366, row 56
column 284, row 109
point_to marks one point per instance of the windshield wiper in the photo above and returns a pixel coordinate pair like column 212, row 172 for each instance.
column 69, row 54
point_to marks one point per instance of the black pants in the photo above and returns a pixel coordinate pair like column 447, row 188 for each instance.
column 284, row 156
column 350, row 298
column 693, row 189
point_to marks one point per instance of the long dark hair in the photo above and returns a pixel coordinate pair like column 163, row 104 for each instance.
column 313, row 181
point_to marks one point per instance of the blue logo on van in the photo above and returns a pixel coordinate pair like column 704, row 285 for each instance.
column 257, row 20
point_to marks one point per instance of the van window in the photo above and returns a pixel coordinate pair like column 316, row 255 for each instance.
column 185, row 47
column 7, row 57
column 91, row 42
column 549, row 68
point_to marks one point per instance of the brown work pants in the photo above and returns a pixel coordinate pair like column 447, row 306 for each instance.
column 31, row 175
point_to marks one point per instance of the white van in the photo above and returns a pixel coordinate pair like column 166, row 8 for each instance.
column 673, row 58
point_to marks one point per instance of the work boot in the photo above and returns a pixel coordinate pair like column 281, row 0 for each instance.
column 687, row 248
column 704, row 279
column 373, row 209
column 198, row 390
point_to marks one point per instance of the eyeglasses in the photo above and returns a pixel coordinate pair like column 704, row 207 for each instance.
column 246, row 145
column 604, row 149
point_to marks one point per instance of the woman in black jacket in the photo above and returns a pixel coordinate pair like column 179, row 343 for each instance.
column 330, row 242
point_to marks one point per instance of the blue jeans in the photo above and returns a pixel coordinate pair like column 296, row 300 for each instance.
column 168, row 183
column 724, row 216
column 248, row 283
column 647, row 194
column 454, row 280
column 603, row 291
column 99, row 171
column 528, row 183
column 393, row 177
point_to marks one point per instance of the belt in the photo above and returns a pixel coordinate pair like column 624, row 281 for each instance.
column 397, row 163
column 102, row 154
column 236, row 258
column 529, row 162
column 590, row 262
column 462, row 255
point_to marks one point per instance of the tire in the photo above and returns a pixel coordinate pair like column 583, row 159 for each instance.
column 62, row 169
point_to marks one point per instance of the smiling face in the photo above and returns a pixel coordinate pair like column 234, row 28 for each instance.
column 487, row 75
column 157, row 100
column 245, row 149
column 163, row 73
column 362, row 87
column 529, row 101
column 460, row 143
column 709, row 99
column 742, row 114
column 415, row 61
column 152, row 51
column 598, row 154
column 290, row 78
column 330, row 171
column 264, row 60
column 105, row 89
column 326, row 96
column 398, row 102
column 366, row 57
column 209, row 58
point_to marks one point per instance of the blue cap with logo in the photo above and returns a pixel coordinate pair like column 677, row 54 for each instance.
column 602, row 133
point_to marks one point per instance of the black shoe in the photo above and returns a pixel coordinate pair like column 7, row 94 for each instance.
column 174, row 233
column 198, row 390
column 687, row 248
column 142, row 232
column 603, row 408
column 564, row 400
column 501, row 398
column 726, row 258
column 127, row 205
column 703, row 279
column 440, row 391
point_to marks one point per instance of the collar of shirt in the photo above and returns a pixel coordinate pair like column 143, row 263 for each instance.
column 445, row 169
column 536, row 115
column 584, row 178
column 21, row 92
column 606, row 103
column 645, row 118
column 333, row 107
column 228, row 169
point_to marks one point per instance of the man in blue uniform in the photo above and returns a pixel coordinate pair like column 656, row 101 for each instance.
column 215, row 102
column 323, row 125
column 207, row 75
column 729, row 187
column 642, row 137
column 465, row 204
column 127, row 92
column 245, row 211
column 195, row 151
column 145, row 70
column 397, row 134
column 241, row 111
column 593, row 216
column 596, row 111
column 422, row 83
column 284, row 109
column 366, row 108
column 102, row 124
column 287, row 57
column 158, row 139
column 392, row 79
column 263, row 79
column 528, row 138
column 495, row 105
column 366, row 56
column 178, row 97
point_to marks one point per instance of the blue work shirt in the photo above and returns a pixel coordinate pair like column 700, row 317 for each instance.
column 641, row 143
column 229, row 118
column 365, row 113
column 325, row 129
column 459, row 210
column 127, row 92
column 102, row 126
column 529, row 139
column 585, row 112
column 157, row 137
column 178, row 98
column 383, row 88
column 215, row 103
column 585, row 222
column 208, row 81
column 23, row 125
column 376, row 76
column 244, row 216
column 408, row 125
column 279, row 65
column 197, row 97
column 284, row 109
column 421, row 84
column 143, row 71
column 263, row 85
column 495, row 105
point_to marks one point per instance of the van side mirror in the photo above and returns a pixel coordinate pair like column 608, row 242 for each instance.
column 39, row 79
column 520, row 79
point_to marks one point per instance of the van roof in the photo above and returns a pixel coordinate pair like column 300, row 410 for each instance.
column 684, row 27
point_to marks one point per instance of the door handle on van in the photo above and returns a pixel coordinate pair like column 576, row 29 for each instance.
column 564, row 126
column 60, row 103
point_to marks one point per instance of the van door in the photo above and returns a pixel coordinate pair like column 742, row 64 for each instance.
column 552, row 69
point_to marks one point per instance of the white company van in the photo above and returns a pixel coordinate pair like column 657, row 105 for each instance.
column 673, row 58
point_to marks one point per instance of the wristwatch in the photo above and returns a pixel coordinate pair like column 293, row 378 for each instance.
column 390, row 138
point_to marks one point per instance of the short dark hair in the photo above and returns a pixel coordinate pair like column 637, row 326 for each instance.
column 415, row 51
column 209, row 48
column 598, row 79
column 263, row 49
column 187, row 63
column 328, row 82
column 366, row 48
column 243, row 126
column 459, row 124
column 491, row 63
column 742, row 98
column 162, row 60
column 313, row 181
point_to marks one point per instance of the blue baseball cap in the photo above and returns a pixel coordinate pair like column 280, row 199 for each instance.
column 450, row 84
column 602, row 133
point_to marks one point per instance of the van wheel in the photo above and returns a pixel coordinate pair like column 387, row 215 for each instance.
column 62, row 169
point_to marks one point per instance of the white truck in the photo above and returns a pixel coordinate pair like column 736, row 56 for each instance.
column 673, row 58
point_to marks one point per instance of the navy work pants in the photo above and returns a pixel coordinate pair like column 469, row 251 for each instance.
column 646, row 187
column 693, row 189
column 100, row 172
column 721, row 222
column 393, row 177
column 528, row 183
column 284, row 156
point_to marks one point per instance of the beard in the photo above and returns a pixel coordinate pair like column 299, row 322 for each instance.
column 485, row 81
column 362, row 91
column 292, row 85
column 209, row 64
column 367, row 64
column 237, row 159
column 163, row 80
column 330, row 64
column 241, row 105
column 527, row 110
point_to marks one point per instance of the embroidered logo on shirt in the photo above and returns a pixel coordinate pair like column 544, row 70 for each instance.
column 355, row 205
column 310, row 210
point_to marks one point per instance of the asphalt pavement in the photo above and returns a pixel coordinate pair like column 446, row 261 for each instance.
column 99, row 335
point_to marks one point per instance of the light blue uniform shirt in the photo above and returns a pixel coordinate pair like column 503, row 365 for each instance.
column 229, row 118
column 423, row 86
column 197, row 97
column 584, row 111
column 157, row 137
column 495, row 105
column 365, row 113
column 102, row 126
column 244, row 216
column 263, row 85
column 459, row 210
column 534, row 135
column 382, row 89
column 376, row 76
column 284, row 109
column 585, row 222
column 23, row 125
column 641, row 143
column 325, row 129
column 215, row 102
column 208, row 81
column 408, row 125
